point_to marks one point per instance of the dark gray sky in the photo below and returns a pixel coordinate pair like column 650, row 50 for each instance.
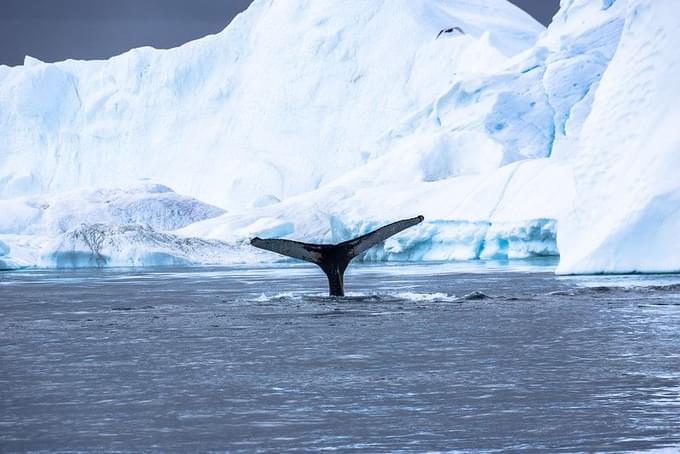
column 54, row 30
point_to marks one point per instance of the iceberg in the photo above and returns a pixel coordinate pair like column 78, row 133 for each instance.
column 151, row 205
column 99, row 245
column 6, row 261
column 504, row 213
column 45, row 229
column 626, row 215
column 280, row 102
column 318, row 121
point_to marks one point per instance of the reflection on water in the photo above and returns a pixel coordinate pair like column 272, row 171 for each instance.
column 466, row 357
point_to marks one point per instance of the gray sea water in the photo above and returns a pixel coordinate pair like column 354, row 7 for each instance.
column 477, row 357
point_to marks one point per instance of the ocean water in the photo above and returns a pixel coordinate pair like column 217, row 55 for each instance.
column 472, row 357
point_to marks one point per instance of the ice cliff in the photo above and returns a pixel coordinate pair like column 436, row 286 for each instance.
column 626, row 214
column 260, row 108
column 320, row 121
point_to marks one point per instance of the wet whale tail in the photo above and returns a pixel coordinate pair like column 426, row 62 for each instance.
column 334, row 258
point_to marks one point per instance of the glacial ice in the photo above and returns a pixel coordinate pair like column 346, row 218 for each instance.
column 50, row 230
column 465, row 217
column 98, row 245
column 319, row 122
column 280, row 102
column 626, row 215
column 4, row 249
column 7, row 262
column 151, row 205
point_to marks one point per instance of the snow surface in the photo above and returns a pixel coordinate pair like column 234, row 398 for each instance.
column 277, row 104
column 59, row 230
column 501, row 214
column 626, row 215
column 98, row 245
column 322, row 120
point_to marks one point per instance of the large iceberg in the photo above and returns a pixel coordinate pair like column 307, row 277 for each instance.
column 281, row 102
column 321, row 121
column 626, row 214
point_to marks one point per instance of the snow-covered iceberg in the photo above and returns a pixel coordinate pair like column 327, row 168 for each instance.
column 626, row 215
column 321, row 121
column 505, row 213
column 280, row 102
column 98, row 245
column 86, row 227
column 6, row 262
column 151, row 205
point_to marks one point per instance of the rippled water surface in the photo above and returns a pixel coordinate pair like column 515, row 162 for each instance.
column 471, row 357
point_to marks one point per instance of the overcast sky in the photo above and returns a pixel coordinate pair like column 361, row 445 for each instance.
column 54, row 30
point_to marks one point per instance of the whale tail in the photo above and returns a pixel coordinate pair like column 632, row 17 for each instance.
column 333, row 259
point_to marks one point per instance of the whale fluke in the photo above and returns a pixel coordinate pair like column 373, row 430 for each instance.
column 334, row 258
